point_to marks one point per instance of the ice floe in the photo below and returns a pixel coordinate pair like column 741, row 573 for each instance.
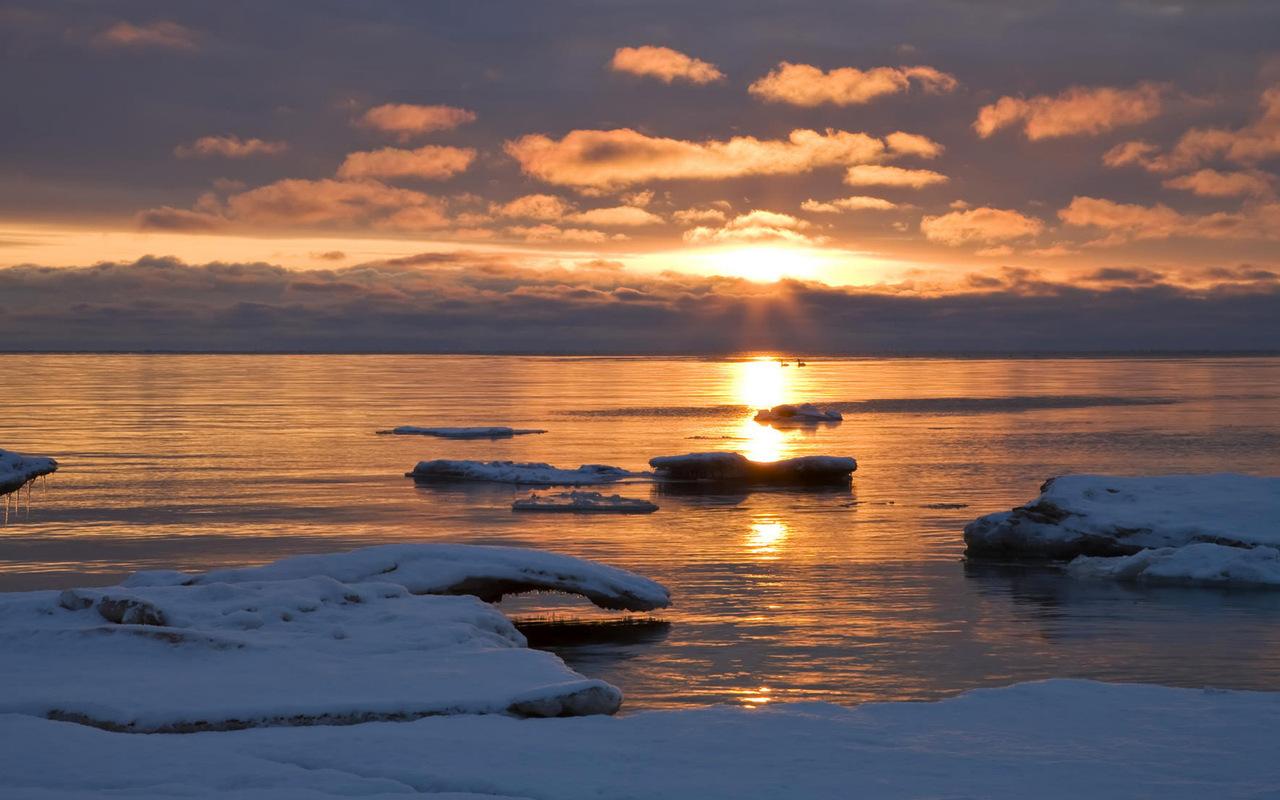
column 585, row 503
column 528, row 473
column 802, row 414
column 737, row 468
column 1199, row 564
column 16, row 470
column 1099, row 515
column 1052, row 740
column 328, row 639
column 491, row 432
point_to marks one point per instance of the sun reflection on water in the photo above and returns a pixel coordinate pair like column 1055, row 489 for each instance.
column 765, row 537
column 762, row 383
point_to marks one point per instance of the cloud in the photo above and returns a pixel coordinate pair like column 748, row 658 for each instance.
column 665, row 64
column 692, row 216
column 912, row 144
column 160, row 35
column 167, row 218
column 874, row 175
column 1077, row 111
column 807, row 85
column 295, row 202
column 546, row 207
column 756, row 226
column 1212, row 183
column 405, row 121
column 1256, row 142
column 431, row 162
column 330, row 255
column 626, row 216
column 230, row 146
column 552, row 233
column 450, row 302
column 604, row 159
column 1128, row 222
column 855, row 203
column 984, row 225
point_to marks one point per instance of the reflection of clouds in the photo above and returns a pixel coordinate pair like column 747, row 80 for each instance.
column 765, row 537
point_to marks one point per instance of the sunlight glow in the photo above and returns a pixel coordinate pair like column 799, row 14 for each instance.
column 765, row 264
column 765, row 537
column 761, row 383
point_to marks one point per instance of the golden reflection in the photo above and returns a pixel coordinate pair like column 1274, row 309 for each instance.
column 762, row 383
column 754, row 698
column 765, row 537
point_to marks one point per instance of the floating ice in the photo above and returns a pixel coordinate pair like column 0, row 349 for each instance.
column 526, row 473
column 492, row 432
column 585, row 503
column 802, row 414
column 16, row 470
column 1199, row 564
column 737, row 468
column 1099, row 515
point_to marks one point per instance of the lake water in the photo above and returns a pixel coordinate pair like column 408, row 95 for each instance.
column 193, row 462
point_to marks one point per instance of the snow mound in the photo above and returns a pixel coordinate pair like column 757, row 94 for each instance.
column 802, row 414
column 306, row 651
column 492, row 432
column 1052, row 740
column 585, row 503
column 1099, row 515
column 1199, row 564
column 528, row 473
column 737, row 468
column 16, row 470
column 449, row 569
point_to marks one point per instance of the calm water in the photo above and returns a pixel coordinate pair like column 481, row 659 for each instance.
column 193, row 462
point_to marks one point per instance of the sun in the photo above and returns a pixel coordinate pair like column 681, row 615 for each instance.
column 763, row 263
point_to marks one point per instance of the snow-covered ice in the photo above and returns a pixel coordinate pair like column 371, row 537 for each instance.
column 1100, row 515
column 736, row 468
column 801, row 414
column 526, row 473
column 584, row 503
column 1198, row 564
column 16, row 470
column 324, row 639
column 1053, row 740
column 490, row 432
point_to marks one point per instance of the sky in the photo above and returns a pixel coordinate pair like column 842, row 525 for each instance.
column 599, row 177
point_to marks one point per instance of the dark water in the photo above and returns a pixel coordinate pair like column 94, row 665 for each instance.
column 193, row 462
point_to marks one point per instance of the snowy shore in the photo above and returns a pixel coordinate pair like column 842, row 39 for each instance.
column 1053, row 740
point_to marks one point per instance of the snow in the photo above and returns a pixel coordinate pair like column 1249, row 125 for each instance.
column 1100, row 515
column 737, row 468
column 1199, row 564
column 491, row 432
column 1053, row 740
column 220, row 656
column 484, row 571
column 526, row 473
column 804, row 413
column 585, row 502
column 16, row 470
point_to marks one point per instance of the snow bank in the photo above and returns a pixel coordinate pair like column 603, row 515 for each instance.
column 486, row 572
column 526, row 473
column 803, row 414
column 1055, row 740
column 493, row 432
column 737, row 468
column 1200, row 564
column 1099, row 515
column 306, row 651
column 16, row 469
column 585, row 503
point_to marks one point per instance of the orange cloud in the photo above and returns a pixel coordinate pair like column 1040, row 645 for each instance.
column 405, row 121
column 986, row 225
column 1255, row 142
column 913, row 144
column 294, row 202
column 1126, row 222
column 546, row 207
column 431, row 162
column 665, row 64
column 807, row 85
column 551, row 233
column 604, row 159
column 692, row 216
column 626, row 216
column 1212, row 183
column 756, row 226
column 229, row 147
column 167, row 218
column 161, row 35
column 876, row 175
column 856, row 203
column 1079, row 110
